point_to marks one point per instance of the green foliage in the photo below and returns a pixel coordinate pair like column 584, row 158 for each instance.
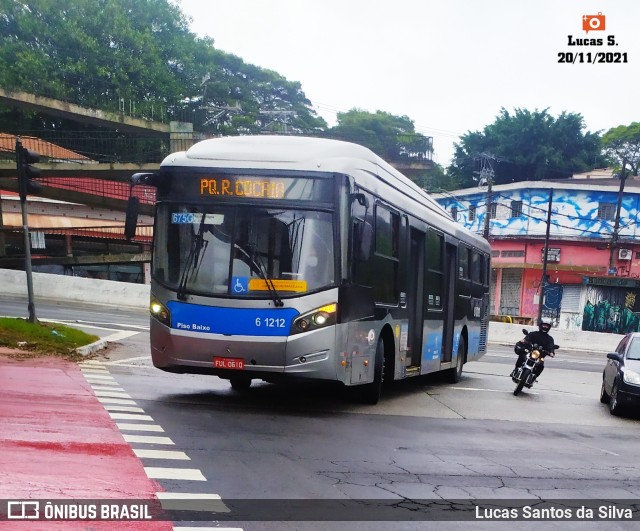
column 139, row 56
column 622, row 145
column 391, row 137
column 528, row 146
column 45, row 338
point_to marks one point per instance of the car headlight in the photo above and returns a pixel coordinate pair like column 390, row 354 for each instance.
column 160, row 311
column 318, row 318
column 631, row 377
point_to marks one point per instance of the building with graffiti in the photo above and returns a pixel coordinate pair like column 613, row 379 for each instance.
column 592, row 279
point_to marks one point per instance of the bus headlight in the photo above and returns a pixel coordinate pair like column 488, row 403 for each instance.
column 160, row 311
column 318, row 318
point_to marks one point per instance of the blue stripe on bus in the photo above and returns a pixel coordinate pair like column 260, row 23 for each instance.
column 231, row 321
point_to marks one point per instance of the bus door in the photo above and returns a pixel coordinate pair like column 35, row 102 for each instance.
column 449, row 292
column 415, row 298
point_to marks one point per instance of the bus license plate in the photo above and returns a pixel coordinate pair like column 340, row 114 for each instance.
column 228, row 363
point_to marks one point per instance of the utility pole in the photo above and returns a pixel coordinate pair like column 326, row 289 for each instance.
column 280, row 116
column 543, row 280
column 486, row 174
column 616, row 227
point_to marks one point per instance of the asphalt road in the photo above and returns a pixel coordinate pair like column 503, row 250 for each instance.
column 426, row 439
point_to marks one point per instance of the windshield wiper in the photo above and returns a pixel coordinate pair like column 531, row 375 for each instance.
column 197, row 244
column 258, row 267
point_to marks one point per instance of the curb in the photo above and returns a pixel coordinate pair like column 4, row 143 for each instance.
column 91, row 348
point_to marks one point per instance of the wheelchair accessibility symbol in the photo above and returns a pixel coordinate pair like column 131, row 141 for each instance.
column 239, row 284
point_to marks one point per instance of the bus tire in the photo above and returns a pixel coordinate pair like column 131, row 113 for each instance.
column 240, row 383
column 371, row 392
column 456, row 372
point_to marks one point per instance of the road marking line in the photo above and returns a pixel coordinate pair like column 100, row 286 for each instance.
column 609, row 452
column 123, row 334
column 191, row 474
column 128, row 409
column 208, row 528
column 94, row 370
column 121, row 401
column 139, row 427
column 106, row 388
column 125, row 360
column 146, row 439
column 127, row 325
column 98, row 377
column 161, row 454
column 186, row 501
column 110, row 394
column 130, row 416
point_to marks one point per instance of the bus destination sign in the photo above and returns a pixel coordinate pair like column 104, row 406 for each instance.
column 250, row 187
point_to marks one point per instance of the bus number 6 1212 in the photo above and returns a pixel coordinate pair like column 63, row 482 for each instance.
column 270, row 322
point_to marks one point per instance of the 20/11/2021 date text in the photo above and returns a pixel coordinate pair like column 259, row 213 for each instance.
column 592, row 57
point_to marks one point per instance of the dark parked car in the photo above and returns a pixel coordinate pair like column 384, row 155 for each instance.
column 621, row 375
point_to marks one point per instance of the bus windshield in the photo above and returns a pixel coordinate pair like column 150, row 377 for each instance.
column 253, row 252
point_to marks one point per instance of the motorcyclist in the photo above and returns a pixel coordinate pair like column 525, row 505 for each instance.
column 539, row 337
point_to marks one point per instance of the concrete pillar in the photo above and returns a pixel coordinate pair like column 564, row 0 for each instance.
column 68, row 242
column 180, row 136
column 2, row 242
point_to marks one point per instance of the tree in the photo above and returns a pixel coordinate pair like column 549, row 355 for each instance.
column 392, row 138
column 136, row 56
column 622, row 146
column 528, row 146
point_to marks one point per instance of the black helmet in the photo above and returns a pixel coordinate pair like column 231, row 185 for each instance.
column 544, row 325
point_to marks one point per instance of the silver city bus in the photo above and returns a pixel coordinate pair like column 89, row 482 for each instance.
column 290, row 257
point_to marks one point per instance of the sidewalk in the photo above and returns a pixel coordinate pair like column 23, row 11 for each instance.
column 58, row 442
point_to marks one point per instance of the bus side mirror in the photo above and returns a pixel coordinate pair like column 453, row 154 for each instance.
column 131, row 220
column 363, row 236
column 361, row 199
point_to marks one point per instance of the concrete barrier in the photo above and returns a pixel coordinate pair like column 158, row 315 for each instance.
column 75, row 289
column 125, row 294
column 508, row 334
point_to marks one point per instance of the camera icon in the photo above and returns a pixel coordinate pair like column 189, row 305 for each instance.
column 593, row 22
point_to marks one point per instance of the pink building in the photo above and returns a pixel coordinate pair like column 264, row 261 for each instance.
column 593, row 263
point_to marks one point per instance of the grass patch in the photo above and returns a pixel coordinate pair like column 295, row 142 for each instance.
column 36, row 339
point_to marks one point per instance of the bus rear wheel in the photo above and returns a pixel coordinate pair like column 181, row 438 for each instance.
column 455, row 373
column 240, row 383
column 371, row 392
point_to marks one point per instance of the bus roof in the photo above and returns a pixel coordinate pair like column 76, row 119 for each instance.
column 303, row 154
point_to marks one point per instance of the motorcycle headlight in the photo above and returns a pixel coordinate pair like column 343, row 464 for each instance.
column 535, row 354
column 631, row 377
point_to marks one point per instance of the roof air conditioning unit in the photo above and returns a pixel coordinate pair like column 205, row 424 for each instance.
column 624, row 254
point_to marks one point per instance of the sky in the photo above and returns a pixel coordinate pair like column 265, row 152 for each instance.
column 448, row 65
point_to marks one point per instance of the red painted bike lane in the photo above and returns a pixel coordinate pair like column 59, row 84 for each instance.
column 59, row 443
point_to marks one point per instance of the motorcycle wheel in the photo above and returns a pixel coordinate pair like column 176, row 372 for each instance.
column 523, row 379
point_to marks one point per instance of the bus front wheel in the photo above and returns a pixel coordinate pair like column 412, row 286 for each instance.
column 240, row 383
column 371, row 392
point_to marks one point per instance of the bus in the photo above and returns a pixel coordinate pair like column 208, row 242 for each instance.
column 278, row 257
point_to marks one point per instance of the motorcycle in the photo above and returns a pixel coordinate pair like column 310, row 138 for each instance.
column 525, row 375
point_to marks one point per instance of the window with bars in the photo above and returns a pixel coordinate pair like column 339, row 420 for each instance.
column 606, row 211
column 516, row 209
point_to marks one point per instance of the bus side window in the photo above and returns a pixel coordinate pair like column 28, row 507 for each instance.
column 463, row 262
column 362, row 239
column 476, row 267
column 435, row 274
